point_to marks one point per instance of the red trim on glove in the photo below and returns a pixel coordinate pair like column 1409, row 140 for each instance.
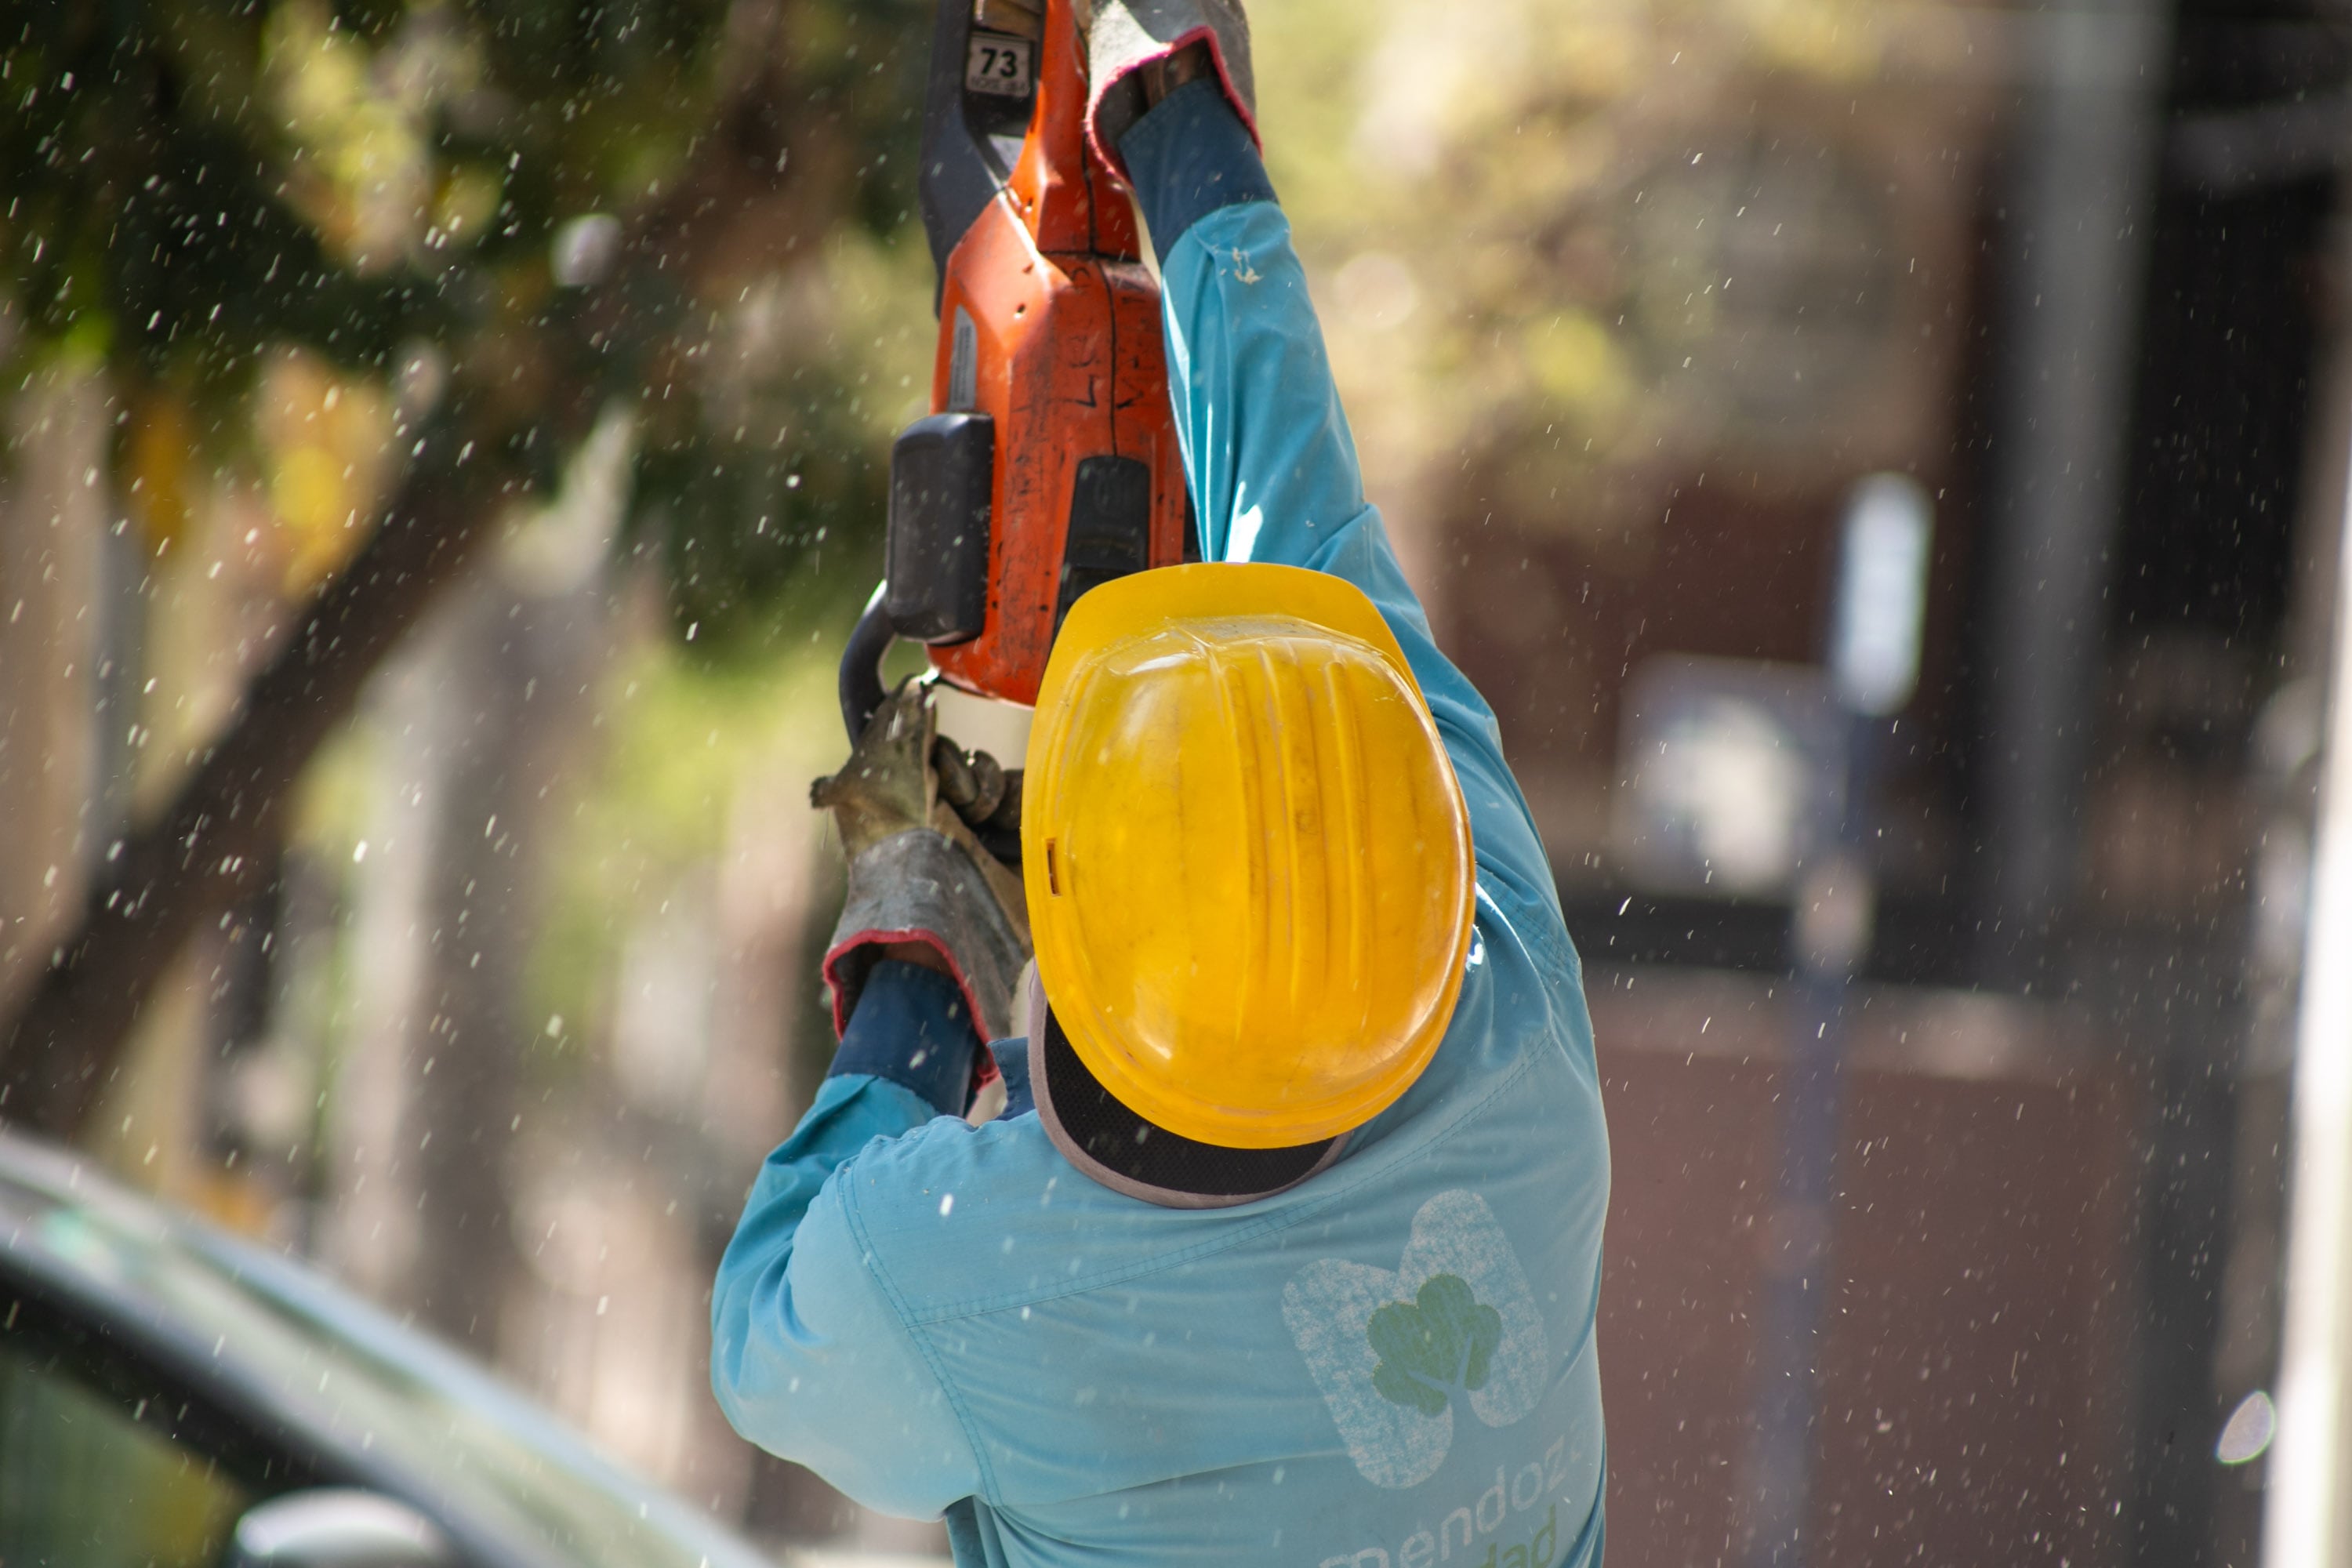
column 1109, row 155
column 984, row 1068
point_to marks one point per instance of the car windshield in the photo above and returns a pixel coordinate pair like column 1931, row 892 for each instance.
column 350, row 1373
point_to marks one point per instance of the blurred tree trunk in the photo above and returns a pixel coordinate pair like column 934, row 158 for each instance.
column 209, row 850
column 50, row 523
column 514, row 672
column 528, row 392
column 489, row 717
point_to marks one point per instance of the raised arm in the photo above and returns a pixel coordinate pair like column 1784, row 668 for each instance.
column 809, row 1358
column 1266, row 448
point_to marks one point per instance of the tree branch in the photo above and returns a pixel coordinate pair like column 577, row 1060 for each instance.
column 212, row 845
column 722, row 218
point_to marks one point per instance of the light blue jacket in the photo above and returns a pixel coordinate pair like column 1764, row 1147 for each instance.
column 1389, row 1367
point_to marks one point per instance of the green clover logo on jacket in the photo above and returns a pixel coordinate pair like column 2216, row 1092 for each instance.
column 1444, row 1338
column 1394, row 1352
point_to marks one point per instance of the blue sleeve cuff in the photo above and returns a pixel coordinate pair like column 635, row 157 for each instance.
column 1191, row 155
column 1012, row 1060
column 912, row 1028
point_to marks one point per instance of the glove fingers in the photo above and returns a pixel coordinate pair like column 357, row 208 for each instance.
column 886, row 787
column 942, row 885
column 983, row 792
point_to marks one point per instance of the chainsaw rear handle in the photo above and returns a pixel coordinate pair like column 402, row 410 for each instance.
column 860, row 687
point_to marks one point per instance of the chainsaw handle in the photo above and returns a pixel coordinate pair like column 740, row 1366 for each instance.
column 985, row 794
column 861, row 665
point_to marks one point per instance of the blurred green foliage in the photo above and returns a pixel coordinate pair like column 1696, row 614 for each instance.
column 1563, row 247
column 510, row 212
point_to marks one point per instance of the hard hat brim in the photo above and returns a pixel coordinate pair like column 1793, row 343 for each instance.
column 1127, row 1152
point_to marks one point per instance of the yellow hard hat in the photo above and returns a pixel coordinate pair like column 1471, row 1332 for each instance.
column 1246, row 859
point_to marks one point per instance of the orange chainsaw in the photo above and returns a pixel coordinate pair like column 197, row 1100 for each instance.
column 1049, row 462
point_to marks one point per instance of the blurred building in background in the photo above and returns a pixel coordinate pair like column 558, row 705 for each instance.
column 1625, row 298
column 2079, row 271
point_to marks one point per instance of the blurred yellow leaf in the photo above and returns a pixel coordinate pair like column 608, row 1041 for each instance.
column 327, row 459
column 161, row 441
column 468, row 198
column 308, row 490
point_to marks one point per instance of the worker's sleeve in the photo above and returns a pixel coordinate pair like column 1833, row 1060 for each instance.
column 912, row 1027
column 1272, row 465
column 809, row 1358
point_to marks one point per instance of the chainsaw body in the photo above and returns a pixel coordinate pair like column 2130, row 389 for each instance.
column 1050, row 461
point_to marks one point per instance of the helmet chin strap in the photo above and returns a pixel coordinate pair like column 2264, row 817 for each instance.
column 1123, row 1150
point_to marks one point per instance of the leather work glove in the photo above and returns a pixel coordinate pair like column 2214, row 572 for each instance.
column 917, row 874
column 986, row 794
column 1138, row 51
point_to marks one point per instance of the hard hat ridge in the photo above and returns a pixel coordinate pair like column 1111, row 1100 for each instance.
column 1250, row 874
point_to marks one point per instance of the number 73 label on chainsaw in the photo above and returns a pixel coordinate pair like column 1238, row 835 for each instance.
column 998, row 65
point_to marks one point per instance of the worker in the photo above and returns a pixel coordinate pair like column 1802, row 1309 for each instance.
column 1283, row 1246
